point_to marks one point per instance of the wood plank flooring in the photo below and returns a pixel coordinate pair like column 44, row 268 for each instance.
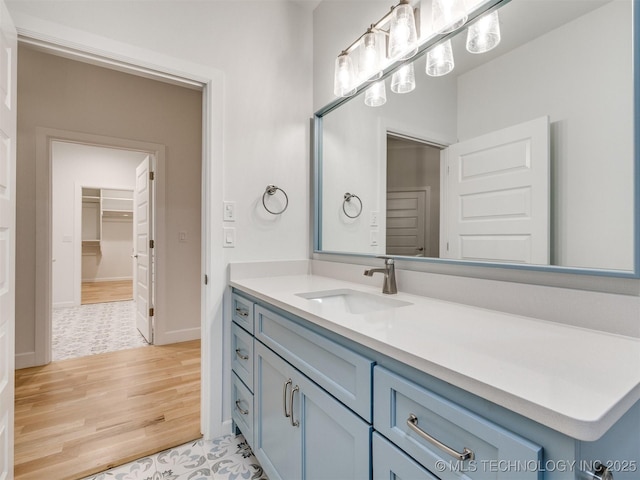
column 81, row 416
column 102, row 292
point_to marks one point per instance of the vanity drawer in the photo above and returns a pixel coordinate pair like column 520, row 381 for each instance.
column 399, row 403
column 242, row 408
column 242, row 354
column 344, row 374
column 391, row 462
column 242, row 312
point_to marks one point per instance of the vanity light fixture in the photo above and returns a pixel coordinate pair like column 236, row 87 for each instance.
column 440, row 59
column 396, row 33
column 484, row 35
column 403, row 36
column 403, row 80
column 372, row 53
column 448, row 15
column 344, row 80
column 376, row 94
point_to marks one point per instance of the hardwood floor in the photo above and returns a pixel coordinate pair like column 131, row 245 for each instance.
column 102, row 292
column 81, row 416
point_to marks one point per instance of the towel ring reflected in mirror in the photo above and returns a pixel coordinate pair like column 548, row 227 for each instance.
column 272, row 190
column 347, row 199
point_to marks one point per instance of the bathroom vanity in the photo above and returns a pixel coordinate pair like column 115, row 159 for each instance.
column 332, row 379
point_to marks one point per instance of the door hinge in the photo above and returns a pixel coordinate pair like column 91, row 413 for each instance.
column 447, row 246
column 152, row 244
column 152, row 175
column 206, row 280
column 151, row 312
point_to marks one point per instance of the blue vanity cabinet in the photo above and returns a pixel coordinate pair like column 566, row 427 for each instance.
column 242, row 360
column 302, row 432
column 242, row 354
column 446, row 438
column 389, row 462
column 242, row 312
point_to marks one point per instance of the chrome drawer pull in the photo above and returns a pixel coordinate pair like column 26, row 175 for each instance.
column 294, row 423
column 243, row 412
column 412, row 423
column 239, row 354
column 284, row 397
column 242, row 313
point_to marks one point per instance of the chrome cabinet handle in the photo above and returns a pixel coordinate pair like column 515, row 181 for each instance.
column 240, row 409
column 412, row 423
column 294, row 423
column 239, row 354
column 284, row 397
column 242, row 313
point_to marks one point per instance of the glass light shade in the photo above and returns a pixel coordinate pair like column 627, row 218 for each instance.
column 440, row 59
column 403, row 38
column 403, row 80
column 448, row 15
column 484, row 34
column 344, row 80
column 371, row 55
column 376, row 95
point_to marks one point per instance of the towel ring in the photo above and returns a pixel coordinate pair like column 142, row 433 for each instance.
column 271, row 190
column 347, row 198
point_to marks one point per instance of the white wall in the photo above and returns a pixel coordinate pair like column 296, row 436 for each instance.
column 591, row 128
column 74, row 166
column 264, row 51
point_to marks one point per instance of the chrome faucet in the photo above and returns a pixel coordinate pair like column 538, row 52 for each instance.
column 389, row 271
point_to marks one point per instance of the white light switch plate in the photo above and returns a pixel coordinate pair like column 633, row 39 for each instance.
column 229, row 237
column 229, row 212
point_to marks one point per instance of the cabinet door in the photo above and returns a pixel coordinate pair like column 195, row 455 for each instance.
column 335, row 441
column 278, row 444
column 320, row 439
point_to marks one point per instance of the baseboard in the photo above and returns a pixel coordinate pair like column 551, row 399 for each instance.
column 25, row 360
column 177, row 336
column 107, row 279
column 63, row 304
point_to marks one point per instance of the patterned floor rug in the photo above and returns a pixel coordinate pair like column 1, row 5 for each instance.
column 91, row 329
column 225, row 458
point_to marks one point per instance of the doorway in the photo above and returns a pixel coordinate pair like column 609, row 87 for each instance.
column 413, row 197
column 93, row 205
column 119, row 122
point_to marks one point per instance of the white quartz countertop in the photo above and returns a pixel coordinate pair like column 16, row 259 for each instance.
column 573, row 380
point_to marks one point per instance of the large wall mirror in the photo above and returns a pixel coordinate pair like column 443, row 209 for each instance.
column 522, row 156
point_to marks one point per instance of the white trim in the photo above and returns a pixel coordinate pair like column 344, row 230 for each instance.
column 105, row 279
column 25, row 360
column 59, row 36
column 63, row 305
column 45, row 137
column 177, row 336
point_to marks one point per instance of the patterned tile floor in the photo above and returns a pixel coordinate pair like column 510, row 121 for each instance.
column 91, row 329
column 225, row 458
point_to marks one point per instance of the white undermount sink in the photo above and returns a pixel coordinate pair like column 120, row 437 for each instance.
column 353, row 301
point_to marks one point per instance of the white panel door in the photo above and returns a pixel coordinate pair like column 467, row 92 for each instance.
column 143, row 253
column 8, row 53
column 497, row 196
column 407, row 215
